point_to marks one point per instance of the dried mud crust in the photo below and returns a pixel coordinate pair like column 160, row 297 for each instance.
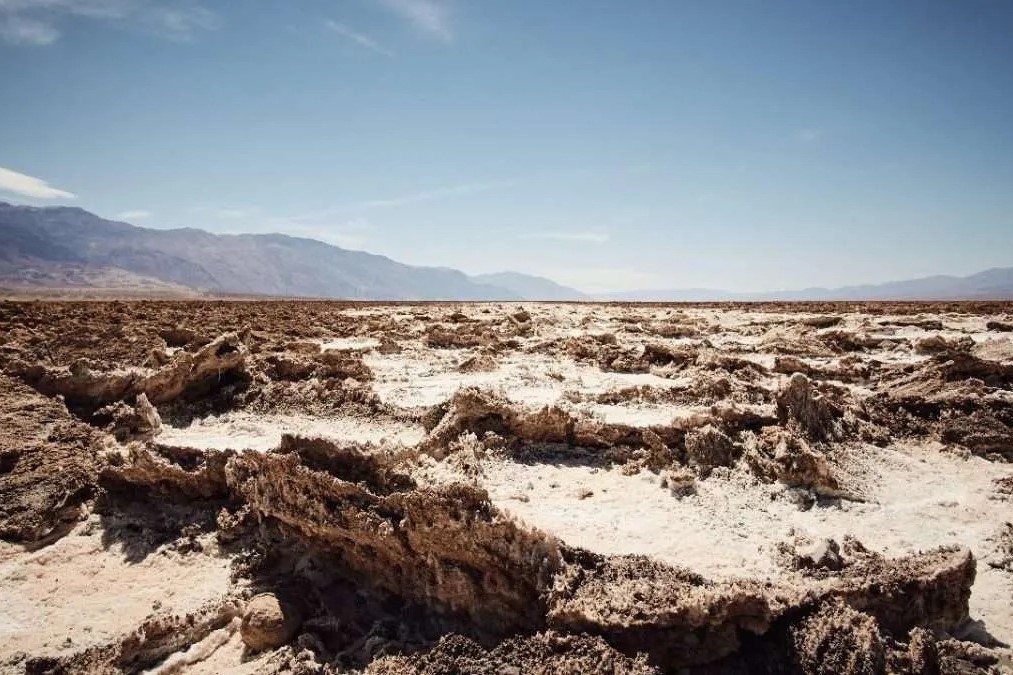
column 346, row 555
column 48, row 464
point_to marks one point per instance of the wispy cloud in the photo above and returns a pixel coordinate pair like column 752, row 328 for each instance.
column 357, row 38
column 20, row 30
column 431, row 17
column 434, row 194
column 29, row 186
column 179, row 23
column 590, row 237
column 139, row 214
column 38, row 22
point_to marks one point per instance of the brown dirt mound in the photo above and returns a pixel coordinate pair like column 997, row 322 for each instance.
column 187, row 373
column 393, row 575
column 545, row 653
column 48, row 463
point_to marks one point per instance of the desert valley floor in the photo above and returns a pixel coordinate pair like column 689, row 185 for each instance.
column 324, row 487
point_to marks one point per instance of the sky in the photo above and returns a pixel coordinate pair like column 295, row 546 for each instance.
column 608, row 145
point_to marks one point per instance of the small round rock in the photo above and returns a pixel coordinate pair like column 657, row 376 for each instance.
column 269, row 622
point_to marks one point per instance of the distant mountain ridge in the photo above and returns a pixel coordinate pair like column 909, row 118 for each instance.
column 528, row 286
column 68, row 247
column 65, row 245
column 992, row 284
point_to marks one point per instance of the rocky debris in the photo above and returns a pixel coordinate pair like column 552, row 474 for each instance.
column 789, row 365
column 957, row 397
column 848, row 369
column 929, row 589
column 288, row 368
column 639, row 605
column 679, row 481
column 742, row 368
column 679, row 619
column 733, row 417
column 604, row 351
column 847, row 341
column 168, row 472
column 181, row 336
column 656, row 354
column 368, row 467
column 138, row 421
column 923, row 654
column 269, row 622
column 674, row 329
column 159, row 637
column 937, row 344
column 800, row 403
column 446, row 548
column 783, row 456
column 1004, row 488
column 322, row 364
column 480, row 411
column 823, row 558
column 984, row 433
column 1003, row 542
column 49, row 464
column 824, row 554
column 709, row 447
column 479, row 363
column 193, row 374
column 925, row 323
column 837, row 640
column 821, row 321
column 457, row 337
column 382, row 568
column 999, row 326
column 314, row 397
column 544, row 653
column 962, row 365
column 388, row 346
column 521, row 323
column 588, row 346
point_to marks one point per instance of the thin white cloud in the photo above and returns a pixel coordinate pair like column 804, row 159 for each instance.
column 179, row 23
column 431, row 17
column 355, row 211
column 19, row 30
column 29, row 186
column 591, row 237
column 37, row 22
column 139, row 214
column 358, row 38
column 434, row 194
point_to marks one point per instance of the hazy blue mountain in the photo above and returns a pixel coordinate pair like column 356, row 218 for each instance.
column 993, row 284
column 530, row 287
column 262, row 264
column 65, row 246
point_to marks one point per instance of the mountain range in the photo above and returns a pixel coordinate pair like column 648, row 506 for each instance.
column 69, row 248
column 992, row 284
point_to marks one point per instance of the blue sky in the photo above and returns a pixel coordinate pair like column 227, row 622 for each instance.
column 611, row 145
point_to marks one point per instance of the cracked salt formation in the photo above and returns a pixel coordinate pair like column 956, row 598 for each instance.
column 504, row 488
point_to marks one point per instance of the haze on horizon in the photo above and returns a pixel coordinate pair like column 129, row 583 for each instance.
column 606, row 145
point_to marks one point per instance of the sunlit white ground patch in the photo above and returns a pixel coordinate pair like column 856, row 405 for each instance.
column 245, row 431
column 919, row 499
